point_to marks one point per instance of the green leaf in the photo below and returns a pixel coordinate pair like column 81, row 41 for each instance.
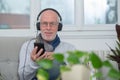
column 73, row 59
column 95, row 60
column 80, row 54
column 98, row 75
column 45, row 63
column 107, row 64
column 83, row 56
column 42, row 74
column 114, row 73
column 59, row 57
column 64, row 68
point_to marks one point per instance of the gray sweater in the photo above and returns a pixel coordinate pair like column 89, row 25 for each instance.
column 27, row 68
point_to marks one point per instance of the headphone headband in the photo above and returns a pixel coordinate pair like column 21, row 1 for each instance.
column 51, row 10
column 60, row 23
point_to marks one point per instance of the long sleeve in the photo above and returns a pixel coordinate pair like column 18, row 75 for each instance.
column 27, row 68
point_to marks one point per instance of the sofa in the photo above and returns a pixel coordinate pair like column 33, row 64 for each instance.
column 9, row 54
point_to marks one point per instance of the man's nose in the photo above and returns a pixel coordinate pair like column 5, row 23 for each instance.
column 48, row 26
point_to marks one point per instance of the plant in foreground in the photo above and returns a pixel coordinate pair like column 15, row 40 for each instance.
column 75, row 58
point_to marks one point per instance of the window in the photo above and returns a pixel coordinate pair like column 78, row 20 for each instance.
column 14, row 14
column 85, row 14
column 64, row 7
column 100, row 12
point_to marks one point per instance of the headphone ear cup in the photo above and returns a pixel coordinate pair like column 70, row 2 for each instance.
column 38, row 25
column 60, row 26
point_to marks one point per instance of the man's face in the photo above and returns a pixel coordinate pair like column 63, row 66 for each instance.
column 49, row 25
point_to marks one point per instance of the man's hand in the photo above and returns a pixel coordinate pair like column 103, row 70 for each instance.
column 36, row 56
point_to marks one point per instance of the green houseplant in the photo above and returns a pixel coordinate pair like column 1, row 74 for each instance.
column 116, row 52
column 78, row 57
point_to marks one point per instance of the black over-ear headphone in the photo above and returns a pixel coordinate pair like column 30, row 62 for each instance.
column 60, row 23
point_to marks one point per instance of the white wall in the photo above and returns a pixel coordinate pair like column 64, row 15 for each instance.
column 92, row 44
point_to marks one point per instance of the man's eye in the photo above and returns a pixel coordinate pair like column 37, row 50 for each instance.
column 52, row 23
column 45, row 23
